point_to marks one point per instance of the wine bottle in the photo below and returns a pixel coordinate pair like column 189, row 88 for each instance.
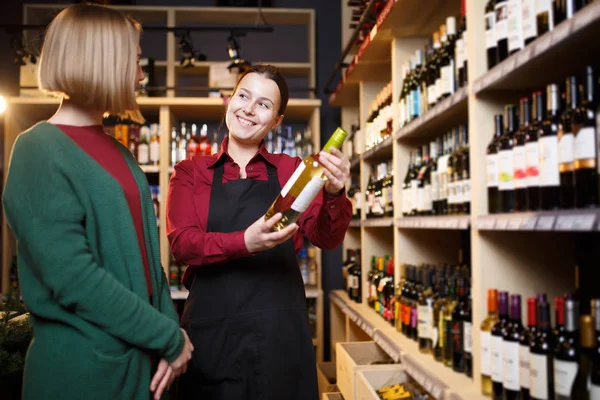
column 586, row 145
column 510, row 351
column 587, row 348
column 458, row 351
column 501, row 28
column 520, row 157
column 532, row 151
column 493, row 171
column 559, row 316
column 443, row 175
column 448, row 327
column 564, row 9
column 527, row 336
column 484, row 339
column 467, row 317
column 506, row 184
column 466, row 171
column 490, row 33
column 515, row 29
column 438, row 317
column 541, row 371
column 497, row 333
column 303, row 186
column 529, row 23
column 460, row 47
column 566, row 354
column 548, row 148
column 435, row 149
column 544, row 16
column 425, row 315
column 566, row 147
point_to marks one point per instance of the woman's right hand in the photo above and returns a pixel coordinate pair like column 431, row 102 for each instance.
column 179, row 366
column 258, row 236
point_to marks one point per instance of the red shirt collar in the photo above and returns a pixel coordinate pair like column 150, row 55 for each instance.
column 262, row 151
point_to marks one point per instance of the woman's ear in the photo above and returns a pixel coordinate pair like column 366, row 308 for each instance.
column 278, row 122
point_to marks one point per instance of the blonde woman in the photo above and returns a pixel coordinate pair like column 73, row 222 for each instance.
column 80, row 209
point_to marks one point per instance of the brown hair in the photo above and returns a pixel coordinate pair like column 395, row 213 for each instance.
column 274, row 74
column 89, row 55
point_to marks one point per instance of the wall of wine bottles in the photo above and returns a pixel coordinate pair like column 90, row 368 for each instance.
column 493, row 145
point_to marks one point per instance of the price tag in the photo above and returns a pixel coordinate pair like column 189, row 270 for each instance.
column 515, row 223
column 529, row 223
column 486, row 223
column 585, row 17
column 565, row 223
column 584, row 222
column 545, row 223
column 464, row 223
column 502, row 223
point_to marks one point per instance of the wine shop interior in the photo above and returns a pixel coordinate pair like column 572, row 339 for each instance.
column 467, row 269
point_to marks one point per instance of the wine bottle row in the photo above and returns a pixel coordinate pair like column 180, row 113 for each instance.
column 436, row 72
column 544, row 154
column 352, row 273
column 510, row 25
column 379, row 122
column 528, row 359
column 437, row 181
column 380, row 191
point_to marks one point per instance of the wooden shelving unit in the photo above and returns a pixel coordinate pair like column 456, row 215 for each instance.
column 31, row 106
column 523, row 253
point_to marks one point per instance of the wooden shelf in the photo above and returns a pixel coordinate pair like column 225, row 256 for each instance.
column 311, row 293
column 377, row 222
column 432, row 375
column 446, row 115
column 399, row 18
column 574, row 42
column 345, row 94
column 150, row 169
column 355, row 223
column 210, row 108
column 355, row 164
column 382, row 151
column 550, row 221
column 450, row 222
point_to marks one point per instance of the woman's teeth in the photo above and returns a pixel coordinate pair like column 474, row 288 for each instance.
column 245, row 122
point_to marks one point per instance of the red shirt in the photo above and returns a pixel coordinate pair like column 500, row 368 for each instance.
column 324, row 223
column 104, row 150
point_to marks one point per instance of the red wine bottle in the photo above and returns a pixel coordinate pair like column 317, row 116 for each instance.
column 510, row 351
column 541, row 366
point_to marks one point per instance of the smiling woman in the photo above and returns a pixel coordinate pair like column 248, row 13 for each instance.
column 246, row 312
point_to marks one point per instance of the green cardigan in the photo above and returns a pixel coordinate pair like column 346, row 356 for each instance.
column 81, row 275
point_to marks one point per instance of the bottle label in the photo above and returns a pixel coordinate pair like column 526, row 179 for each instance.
column 413, row 317
column 435, row 186
column 460, row 52
column 545, row 7
column 143, row 154
column 532, row 159
column 154, row 151
column 414, row 195
column 427, row 206
column 520, row 167
column 566, row 148
column 524, row 366
column 288, row 185
column 515, row 31
column 447, row 80
column 585, row 144
column 529, row 22
column 450, row 192
column 538, row 376
column 496, row 358
column 406, row 201
column 466, row 191
column 424, row 314
column 490, row 32
column 548, row 148
column 505, row 166
column 308, row 194
column 492, row 170
column 564, row 376
column 501, row 26
column 458, row 189
column 421, row 199
column 416, row 103
column 486, row 356
column 510, row 365
column 467, row 337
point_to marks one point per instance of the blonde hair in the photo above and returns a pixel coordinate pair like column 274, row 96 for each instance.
column 89, row 55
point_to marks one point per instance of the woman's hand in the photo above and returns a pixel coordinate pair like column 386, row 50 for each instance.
column 179, row 366
column 336, row 168
column 162, row 379
column 258, row 236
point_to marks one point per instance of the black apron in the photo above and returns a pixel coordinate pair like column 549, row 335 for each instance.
column 247, row 318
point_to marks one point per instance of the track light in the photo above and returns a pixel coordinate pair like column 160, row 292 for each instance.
column 237, row 62
column 189, row 56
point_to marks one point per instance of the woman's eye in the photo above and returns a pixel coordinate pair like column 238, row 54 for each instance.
column 243, row 96
column 264, row 105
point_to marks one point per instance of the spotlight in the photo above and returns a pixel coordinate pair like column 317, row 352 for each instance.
column 189, row 56
column 237, row 63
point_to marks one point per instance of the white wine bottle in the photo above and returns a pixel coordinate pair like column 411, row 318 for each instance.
column 303, row 186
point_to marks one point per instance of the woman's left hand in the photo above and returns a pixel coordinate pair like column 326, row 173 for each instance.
column 336, row 167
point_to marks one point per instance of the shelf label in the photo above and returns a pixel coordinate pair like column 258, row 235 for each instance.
column 515, row 223
column 509, row 65
column 565, row 223
column 585, row 17
column 386, row 346
column 486, row 223
column 584, row 222
column 545, row 222
column 502, row 223
column 464, row 223
column 560, row 32
column 541, row 44
column 529, row 223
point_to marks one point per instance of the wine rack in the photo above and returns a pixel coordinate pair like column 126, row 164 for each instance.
column 521, row 252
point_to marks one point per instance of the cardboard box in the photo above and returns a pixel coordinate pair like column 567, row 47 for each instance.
column 326, row 377
column 353, row 357
column 369, row 381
